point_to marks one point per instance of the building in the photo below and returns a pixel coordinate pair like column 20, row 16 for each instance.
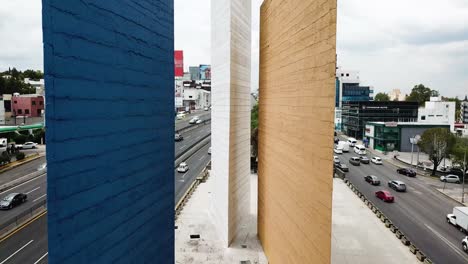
column 464, row 111
column 178, row 63
column 390, row 136
column 38, row 85
column 7, row 105
column 27, row 105
column 348, row 89
column 396, row 95
column 437, row 111
column 2, row 112
column 355, row 115
column 194, row 73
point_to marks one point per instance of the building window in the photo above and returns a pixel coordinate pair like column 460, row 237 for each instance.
column 33, row 102
column 40, row 102
column 26, row 111
column 342, row 74
column 347, row 75
column 20, row 111
column 39, row 113
column 190, row 96
column 15, row 102
column 431, row 115
column 423, row 117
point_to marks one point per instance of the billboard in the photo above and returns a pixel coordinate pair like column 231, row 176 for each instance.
column 194, row 73
column 179, row 63
column 205, row 72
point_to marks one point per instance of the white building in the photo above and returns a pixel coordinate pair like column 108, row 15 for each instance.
column 396, row 95
column 39, row 85
column 437, row 111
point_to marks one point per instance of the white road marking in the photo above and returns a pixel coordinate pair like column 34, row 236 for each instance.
column 16, row 252
column 183, row 176
column 43, row 256
column 198, row 137
column 183, row 146
column 187, row 137
column 33, row 190
column 19, row 185
column 455, row 248
column 201, row 157
column 35, row 200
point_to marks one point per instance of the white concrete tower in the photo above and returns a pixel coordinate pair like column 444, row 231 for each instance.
column 231, row 51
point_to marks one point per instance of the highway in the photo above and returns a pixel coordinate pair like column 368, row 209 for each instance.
column 204, row 115
column 22, row 170
column 190, row 138
column 419, row 213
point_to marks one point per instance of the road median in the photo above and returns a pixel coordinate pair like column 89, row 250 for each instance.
column 17, row 163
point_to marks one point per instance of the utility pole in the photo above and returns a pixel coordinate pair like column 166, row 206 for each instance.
column 412, row 147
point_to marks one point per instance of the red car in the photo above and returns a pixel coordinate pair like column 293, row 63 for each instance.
column 386, row 196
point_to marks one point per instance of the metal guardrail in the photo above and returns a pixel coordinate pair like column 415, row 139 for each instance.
column 17, row 220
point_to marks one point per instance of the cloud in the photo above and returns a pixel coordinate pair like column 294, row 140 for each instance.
column 397, row 44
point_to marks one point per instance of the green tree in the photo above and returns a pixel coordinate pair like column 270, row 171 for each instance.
column 254, row 130
column 438, row 144
column 382, row 97
column 459, row 151
column 421, row 94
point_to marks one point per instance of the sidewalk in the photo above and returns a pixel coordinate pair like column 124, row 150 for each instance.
column 358, row 236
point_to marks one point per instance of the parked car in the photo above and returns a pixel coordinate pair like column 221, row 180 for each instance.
column 398, row 186
column 407, row 172
column 465, row 244
column 376, row 160
column 199, row 121
column 450, row 178
column 342, row 166
column 338, row 150
column 364, row 159
column 385, row 196
column 209, row 151
column 183, row 167
column 27, row 145
column 12, row 200
column 372, row 179
column 336, row 159
column 178, row 137
column 206, row 109
column 356, row 161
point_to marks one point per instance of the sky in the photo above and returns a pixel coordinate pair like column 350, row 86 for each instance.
column 393, row 44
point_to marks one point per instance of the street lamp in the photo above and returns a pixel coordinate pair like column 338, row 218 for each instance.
column 414, row 140
column 464, row 175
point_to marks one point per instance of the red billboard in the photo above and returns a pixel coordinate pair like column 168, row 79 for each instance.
column 179, row 63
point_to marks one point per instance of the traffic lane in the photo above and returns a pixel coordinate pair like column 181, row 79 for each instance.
column 419, row 213
column 185, row 122
column 36, row 189
column 191, row 137
column 22, row 170
column 26, row 245
column 197, row 162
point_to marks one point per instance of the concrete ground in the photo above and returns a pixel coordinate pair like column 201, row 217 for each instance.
column 358, row 236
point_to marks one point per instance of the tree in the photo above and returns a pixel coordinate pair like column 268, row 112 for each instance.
column 459, row 151
column 438, row 144
column 421, row 94
column 382, row 97
column 254, row 136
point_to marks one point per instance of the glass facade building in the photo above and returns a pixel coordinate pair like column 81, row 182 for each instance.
column 355, row 115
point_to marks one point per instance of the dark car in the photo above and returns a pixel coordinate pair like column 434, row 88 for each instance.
column 385, row 196
column 398, row 186
column 12, row 200
column 178, row 137
column 372, row 179
column 342, row 166
column 364, row 159
column 337, row 140
column 356, row 161
column 407, row 172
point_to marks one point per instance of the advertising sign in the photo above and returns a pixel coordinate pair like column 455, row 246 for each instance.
column 179, row 63
column 205, row 72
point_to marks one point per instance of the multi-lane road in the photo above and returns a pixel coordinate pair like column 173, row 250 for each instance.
column 419, row 213
column 204, row 115
column 29, row 244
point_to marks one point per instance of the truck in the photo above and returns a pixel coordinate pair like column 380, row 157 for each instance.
column 459, row 218
column 343, row 145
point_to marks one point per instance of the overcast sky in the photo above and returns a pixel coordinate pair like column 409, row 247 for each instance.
column 394, row 44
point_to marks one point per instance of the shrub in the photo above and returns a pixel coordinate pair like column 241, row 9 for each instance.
column 20, row 156
column 5, row 158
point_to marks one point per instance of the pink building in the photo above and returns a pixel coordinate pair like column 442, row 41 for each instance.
column 27, row 105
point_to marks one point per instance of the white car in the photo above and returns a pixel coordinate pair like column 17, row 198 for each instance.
column 336, row 159
column 338, row 150
column 199, row 121
column 180, row 116
column 29, row 145
column 206, row 109
column 465, row 244
column 209, row 151
column 376, row 160
column 183, row 167
column 450, row 178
